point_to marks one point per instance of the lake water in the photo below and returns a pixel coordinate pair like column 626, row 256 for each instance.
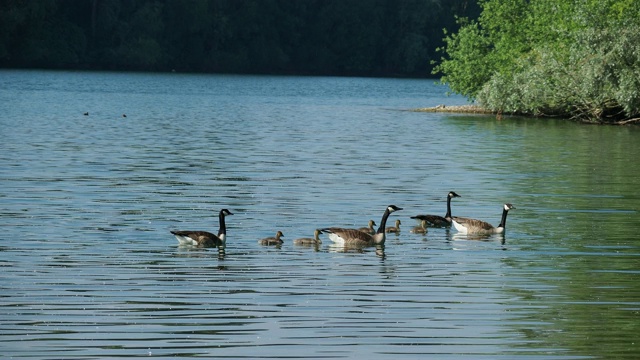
column 90, row 270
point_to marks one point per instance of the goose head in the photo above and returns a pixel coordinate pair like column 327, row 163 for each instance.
column 393, row 208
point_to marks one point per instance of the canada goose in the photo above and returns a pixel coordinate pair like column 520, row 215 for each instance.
column 369, row 230
column 473, row 226
column 359, row 238
column 204, row 238
column 309, row 241
column 422, row 229
column 436, row 220
column 394, row 229
column 272, row 240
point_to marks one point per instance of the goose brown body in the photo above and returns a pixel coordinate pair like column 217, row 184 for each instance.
column 204, row 238
column 198, row 238
column 479, row 227
column 436, row 220
column 359, row 238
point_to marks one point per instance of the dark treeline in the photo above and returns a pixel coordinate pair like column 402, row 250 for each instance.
column 320, row 37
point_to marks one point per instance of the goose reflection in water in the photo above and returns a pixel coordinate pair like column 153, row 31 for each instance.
column 356, row 249
column 479, row 237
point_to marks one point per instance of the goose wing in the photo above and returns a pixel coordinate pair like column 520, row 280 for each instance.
column 367, row 230
column 202, row 238
column 348, row 236
column 473, row 223
column 433, row 220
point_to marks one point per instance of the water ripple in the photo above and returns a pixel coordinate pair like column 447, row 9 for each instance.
column 90, row 270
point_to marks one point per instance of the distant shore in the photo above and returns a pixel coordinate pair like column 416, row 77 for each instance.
column 466, row 109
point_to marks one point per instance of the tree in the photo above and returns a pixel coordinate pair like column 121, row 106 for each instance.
column 324, row 37
column 581, row 60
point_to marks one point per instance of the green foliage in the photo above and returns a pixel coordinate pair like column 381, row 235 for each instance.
column 482, row 48
column 470, row 66
column 581, row 60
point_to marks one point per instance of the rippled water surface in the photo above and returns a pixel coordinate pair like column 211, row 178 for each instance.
column 90, row 270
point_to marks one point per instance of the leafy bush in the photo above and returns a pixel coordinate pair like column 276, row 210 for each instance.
column 597, row 82
column 586, row 67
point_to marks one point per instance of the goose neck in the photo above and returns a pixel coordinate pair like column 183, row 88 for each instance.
column 223, row 227
column 383, row 222
column 448, row 214
column 503, row 220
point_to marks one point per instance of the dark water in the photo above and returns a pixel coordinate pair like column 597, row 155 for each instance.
column 90, row 270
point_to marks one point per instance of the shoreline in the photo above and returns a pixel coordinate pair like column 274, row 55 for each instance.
column 462, row 109
column 476, row 109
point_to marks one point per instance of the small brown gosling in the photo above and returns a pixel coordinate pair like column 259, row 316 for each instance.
column 369, row 230
column 422, row 229
column 272, row 240
column 394, row 229
column 309, row 241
